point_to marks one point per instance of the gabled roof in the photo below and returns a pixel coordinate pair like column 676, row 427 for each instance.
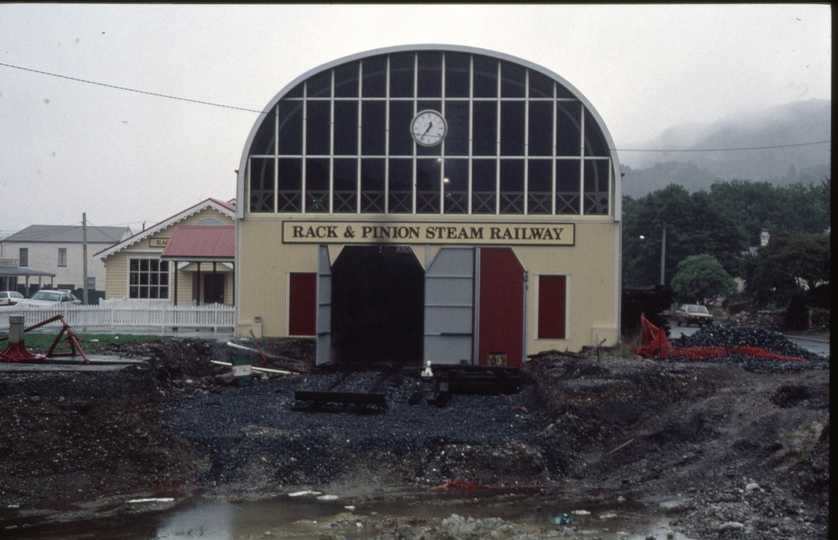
column 201, row 242
column 226, row 208
column 69, row 234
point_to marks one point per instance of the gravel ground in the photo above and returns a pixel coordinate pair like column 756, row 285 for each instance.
column 258, row 441
column 725, row 448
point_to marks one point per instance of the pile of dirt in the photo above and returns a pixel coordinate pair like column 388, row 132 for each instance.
column 725, row 451
column 86, row 435
column 715, row 443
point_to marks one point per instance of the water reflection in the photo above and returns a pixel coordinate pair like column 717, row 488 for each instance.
column 307, row 517
column 207, row 520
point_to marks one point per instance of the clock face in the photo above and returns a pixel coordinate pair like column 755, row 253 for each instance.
column 428, row 128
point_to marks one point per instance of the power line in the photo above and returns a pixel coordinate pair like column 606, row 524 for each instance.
column 86, row 81
column 129, row 89
column 727, row 149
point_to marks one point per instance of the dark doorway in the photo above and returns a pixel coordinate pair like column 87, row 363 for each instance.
column 377, row 305
column 213, row 288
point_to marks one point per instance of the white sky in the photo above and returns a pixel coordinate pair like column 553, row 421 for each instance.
column 122, row 157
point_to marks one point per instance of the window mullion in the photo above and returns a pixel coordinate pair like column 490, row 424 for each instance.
column 442, row 149
column 553, row 138
column 582, row 162
column 331, row 186
column 470, row 131
column 387, row 158
column 359, row 195
column 497, row 143
column 304, row 145
column 276, row 161
column 526, row 142
column 415, row 110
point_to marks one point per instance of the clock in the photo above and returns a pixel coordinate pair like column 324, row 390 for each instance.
column 428, row 128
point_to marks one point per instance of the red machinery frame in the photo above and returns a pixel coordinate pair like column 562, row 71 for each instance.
column 17, row 352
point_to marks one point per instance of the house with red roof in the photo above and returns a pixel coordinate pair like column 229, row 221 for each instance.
column 188, row 258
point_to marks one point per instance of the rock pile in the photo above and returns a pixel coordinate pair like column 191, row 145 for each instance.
column 728, row 335
column 455, row 526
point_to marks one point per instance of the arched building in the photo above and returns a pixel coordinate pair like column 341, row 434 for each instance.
column 430, row 202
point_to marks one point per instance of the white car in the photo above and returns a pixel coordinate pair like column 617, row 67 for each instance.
column 693, row 313
column 51, row 298
column 10, row 298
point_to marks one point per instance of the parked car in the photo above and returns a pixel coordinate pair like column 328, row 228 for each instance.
column 51, row 298
column 693, row 313
column 10, row 298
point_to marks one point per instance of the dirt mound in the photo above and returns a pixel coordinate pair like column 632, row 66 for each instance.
column 698, row 433
column 718, row 445
column 81, row 435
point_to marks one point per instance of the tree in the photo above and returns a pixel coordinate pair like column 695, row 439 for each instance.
column 723, row 222
column 780, row 209
column 788, row 264
column 693, row 225
column 701, row 276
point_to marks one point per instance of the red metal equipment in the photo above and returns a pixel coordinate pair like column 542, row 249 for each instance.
column 17, row 352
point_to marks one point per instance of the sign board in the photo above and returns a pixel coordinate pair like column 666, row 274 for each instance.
column 429, row 232
column 158, row 242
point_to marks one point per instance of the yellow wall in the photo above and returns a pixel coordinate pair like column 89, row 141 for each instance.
column 591, row 267
column 116, row 265
column 264, row 278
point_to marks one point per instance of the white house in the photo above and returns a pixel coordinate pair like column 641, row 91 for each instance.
column 58, row 250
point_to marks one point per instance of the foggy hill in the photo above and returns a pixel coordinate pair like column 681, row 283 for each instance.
column 801, row 122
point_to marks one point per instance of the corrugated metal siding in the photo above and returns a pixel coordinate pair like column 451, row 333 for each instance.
column 325, row 351
column 263, row 278
column 591, row 271
column 590, row 267
column 449, row 307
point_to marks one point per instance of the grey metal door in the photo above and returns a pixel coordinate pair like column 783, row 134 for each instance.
column 449, row 307
column 325, row 353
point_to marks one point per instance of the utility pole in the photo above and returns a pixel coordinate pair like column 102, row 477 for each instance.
column 663, row 255
column 84, row 255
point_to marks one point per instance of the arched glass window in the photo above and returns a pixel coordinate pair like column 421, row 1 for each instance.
column 518, row 142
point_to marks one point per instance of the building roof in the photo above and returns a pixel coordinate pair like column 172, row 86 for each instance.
column 16, row 271
column 226, row 208
column 69, row 234
column 201, row 242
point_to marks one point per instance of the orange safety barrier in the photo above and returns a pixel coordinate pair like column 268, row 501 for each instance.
column 653, row 343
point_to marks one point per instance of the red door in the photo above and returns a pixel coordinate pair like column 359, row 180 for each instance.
column 501, row 306
column 302, row 304
column 552, row 299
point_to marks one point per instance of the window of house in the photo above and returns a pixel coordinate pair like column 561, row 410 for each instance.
column 148, row 279
column 23, row 257
column 62, row 256
column 518, row 142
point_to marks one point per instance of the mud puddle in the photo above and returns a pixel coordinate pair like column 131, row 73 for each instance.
column 305, row 516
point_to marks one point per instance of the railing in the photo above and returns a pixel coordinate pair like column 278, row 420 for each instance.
column 126, row 317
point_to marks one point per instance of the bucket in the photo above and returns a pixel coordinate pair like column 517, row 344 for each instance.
column 497, row 358
column 241, row 369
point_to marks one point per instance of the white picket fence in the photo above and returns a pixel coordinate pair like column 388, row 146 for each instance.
column 127, row 317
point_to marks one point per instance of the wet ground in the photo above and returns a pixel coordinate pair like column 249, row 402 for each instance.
column 708, row 447
column 536, row 512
